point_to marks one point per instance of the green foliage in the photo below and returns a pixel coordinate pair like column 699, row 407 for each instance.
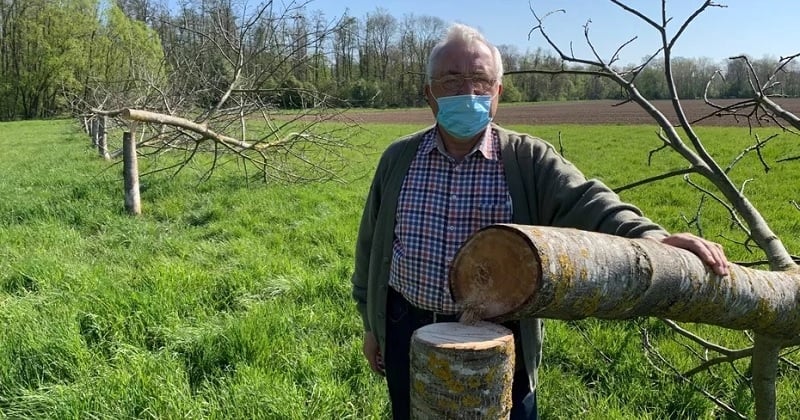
column 43, row 50
column 56, row 52
column 364, row 94
column 510, row 92
column 232, row 300
column 127, row 50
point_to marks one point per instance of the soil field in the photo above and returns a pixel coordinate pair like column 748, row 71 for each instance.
column 577, row 112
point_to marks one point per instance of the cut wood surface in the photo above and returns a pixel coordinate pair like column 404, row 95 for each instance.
column 508, row 272
column 461, row 371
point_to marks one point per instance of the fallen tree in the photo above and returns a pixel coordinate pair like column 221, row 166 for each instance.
column 229, row 97
column 200, row 129
column 507, row 272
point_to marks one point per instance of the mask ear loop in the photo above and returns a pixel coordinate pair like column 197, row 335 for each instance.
column 430, row 95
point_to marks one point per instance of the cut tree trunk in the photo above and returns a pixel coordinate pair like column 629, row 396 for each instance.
column 506, row 272
column 102, row 138
column 130, row 170
column 461, row 371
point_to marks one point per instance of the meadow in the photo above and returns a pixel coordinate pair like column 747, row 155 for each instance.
column 229, row 299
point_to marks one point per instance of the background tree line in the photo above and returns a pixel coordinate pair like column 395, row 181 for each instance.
column 54, row 54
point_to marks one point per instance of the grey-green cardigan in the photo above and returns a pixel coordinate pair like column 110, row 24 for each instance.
column 545, row 190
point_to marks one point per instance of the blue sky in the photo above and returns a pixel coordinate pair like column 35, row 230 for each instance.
column 756, row 27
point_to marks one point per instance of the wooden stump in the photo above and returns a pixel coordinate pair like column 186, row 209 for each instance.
column 102, row 139
column 130, row 174
column 95, row 130
column 461, row 371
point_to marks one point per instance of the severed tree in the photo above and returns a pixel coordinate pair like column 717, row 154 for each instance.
column 607, row 286
column 227, row 93
column 762, row 106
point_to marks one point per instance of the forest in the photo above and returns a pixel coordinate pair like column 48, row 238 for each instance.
column 60, row 57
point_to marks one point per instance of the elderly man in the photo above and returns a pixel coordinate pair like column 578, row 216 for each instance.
column 434, row 188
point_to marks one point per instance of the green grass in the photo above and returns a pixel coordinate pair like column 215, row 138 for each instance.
column 228, row 299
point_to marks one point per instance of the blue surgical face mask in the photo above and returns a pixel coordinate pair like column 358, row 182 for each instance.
column 464, row 116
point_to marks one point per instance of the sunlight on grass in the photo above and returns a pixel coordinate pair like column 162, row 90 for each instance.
column 231, row 298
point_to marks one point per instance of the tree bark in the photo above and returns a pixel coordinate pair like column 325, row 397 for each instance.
column 130, row 169
column 102, row 138
column 508, row 272
column 95, row 129
column 461, row 371
column 765, row 369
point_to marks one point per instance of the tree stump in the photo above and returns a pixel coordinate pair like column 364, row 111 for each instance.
column 130, row 175
column 461, row 371
column 102, row 138
column 95, row 130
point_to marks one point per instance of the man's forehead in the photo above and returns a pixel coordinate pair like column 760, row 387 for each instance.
column 460, row 57
column 463, row 47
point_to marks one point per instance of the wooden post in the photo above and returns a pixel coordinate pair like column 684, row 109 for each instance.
column 130, row 173
column 102, row 139
column 95, row 130
column 461, row 371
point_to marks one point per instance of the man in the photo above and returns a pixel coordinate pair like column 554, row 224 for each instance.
column 434, row 188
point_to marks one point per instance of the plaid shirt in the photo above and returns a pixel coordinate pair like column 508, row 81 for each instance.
column 442, row 202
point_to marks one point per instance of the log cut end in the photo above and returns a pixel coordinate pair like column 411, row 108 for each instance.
column 494, row 273
column 459, row 336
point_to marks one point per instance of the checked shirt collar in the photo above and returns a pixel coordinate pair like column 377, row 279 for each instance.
column 433, row 141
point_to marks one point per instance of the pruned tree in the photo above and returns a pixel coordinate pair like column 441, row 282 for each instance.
column 230, row 92
column 680, row 137
column 763, row 89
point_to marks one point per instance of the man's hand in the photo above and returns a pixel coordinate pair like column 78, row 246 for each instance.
column 710, row 253
column 372, row 351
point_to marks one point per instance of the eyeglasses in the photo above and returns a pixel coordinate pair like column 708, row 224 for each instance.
column 452, row 83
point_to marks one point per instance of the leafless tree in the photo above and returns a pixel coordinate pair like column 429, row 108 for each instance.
column 680, row 137
column 762, row 106
column 227, row 93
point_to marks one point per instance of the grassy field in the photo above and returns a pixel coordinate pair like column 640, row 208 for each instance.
column 229, row 299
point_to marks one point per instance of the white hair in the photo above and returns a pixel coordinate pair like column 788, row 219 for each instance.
column 459, row 32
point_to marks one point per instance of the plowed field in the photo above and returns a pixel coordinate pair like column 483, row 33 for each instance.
column 578, row 112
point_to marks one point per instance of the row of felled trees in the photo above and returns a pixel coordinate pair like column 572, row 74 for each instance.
column 53, row 53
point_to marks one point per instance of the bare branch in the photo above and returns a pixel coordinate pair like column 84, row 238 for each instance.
column 758, row 147
column 696, row 220
column 651, row 350
column 703, row 342
column 723, row 203
column 655, row 178
column 761, row 107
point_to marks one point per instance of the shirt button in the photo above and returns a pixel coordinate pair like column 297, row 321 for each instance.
column 453, row 197
column 451, row 228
